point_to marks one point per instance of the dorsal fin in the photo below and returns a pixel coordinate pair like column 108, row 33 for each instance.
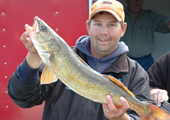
column 82, row 60
column 121, row 85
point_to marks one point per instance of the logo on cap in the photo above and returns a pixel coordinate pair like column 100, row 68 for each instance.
column 107, row 2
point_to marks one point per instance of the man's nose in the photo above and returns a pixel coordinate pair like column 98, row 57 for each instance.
column 104, row 30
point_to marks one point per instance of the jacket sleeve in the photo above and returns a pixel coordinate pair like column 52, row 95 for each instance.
column 27, row 95
column 137, row 82
column 160, row 22
column 159, row 72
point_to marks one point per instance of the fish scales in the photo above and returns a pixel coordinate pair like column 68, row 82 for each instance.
column 77, row 75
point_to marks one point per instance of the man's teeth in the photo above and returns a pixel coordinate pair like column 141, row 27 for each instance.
column 103, row 40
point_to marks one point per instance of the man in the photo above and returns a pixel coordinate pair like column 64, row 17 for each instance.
column 160, row 79
column 103, row 52
column 139, row 36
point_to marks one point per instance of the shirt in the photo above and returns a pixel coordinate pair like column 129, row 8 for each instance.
column 139, row 36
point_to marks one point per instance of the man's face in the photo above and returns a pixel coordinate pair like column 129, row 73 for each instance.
column 105, row 32
column 134, row 5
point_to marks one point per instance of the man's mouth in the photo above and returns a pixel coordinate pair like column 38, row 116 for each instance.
column 104, row 40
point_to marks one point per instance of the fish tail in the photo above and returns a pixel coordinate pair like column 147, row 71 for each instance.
column 155, row 114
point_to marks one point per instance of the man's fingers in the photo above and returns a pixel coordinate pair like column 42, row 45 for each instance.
column 154, row 97
column 111, row 106
column 113, row 111
column 30, row 43
column 125, row 104
column 164, row 96
column 159, row 96
column 24, row 36
column 27, row 42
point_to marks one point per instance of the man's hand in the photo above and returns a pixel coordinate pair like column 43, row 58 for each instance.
column 33, row 59
column 28, row 43
column 159, row 96
column 113, row 113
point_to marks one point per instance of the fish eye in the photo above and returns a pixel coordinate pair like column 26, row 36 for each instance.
column 44, row 28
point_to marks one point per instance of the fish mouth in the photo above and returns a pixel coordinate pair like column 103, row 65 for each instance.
column 35, row 24
column 34, row 27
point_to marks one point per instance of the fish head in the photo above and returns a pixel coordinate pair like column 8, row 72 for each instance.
column 43, row 32
column 42, row 36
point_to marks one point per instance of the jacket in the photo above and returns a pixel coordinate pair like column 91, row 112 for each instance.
column 159, row 73
column 61, row 103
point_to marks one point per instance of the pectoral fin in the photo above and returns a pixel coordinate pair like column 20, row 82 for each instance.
column 121, row 85
column 48, row 76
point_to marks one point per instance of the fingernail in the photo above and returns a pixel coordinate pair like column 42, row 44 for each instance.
column 107, row 97
column 122, row 98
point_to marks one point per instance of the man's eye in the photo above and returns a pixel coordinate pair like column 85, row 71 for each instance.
column 98, row 24
column 44, row 28
column 111, row 25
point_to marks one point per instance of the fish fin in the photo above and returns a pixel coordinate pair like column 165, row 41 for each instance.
column 82, row 60
column 118, row 106
column 48, row 76
column 120, row 84
column 155, row 114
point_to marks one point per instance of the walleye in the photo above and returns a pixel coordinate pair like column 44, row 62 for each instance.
column 62, row 63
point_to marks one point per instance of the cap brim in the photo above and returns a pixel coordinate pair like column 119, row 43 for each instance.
column 113, row 13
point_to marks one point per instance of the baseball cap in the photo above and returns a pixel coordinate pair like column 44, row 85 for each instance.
column 112, row 6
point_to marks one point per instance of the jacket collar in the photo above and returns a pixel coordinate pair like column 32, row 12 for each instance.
column 119, row 66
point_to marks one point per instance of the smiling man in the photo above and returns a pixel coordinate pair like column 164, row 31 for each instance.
column 105, row 32
column 103, row 52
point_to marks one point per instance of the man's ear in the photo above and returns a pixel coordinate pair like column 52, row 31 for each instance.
column 87, row 26
column 124, row 29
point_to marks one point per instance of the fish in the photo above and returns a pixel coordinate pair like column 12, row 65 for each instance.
column 64, row 64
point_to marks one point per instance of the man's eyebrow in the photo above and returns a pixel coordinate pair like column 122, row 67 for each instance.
column 113, row 21
column 97, row 21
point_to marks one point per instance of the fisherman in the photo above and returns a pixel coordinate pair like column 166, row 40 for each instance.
column 103, row 52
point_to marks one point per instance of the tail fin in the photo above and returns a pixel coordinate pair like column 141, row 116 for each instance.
column 156, row 114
